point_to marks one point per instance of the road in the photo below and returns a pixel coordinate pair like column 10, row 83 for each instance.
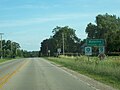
column 37, row 74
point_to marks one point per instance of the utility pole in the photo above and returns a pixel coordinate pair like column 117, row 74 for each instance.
column 63, row 43
column 11, row 49
column 1, row 44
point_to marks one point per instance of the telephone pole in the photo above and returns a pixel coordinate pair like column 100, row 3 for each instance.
column 1, row 44
column 63, row 43
column 11, row 49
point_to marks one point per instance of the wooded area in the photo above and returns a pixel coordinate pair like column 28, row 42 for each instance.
column 12, row 49
column 106, row 27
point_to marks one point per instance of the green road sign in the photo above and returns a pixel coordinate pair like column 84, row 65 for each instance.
column 95, row 42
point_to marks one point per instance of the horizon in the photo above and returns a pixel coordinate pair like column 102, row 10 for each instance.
column 29, row 22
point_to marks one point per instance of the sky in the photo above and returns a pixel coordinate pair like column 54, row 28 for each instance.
column 29, row 22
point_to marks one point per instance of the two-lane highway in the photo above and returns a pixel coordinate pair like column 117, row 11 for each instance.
column 37, row 74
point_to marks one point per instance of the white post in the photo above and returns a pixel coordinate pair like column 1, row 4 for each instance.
column 1, row 44
column 63, row 44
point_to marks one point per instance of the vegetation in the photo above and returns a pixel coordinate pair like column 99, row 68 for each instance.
column 107, row 71
column 106, row 27
column 27, row 54
column 3, row 60
column 71, row 41
column 12, row 49
column 6, row 59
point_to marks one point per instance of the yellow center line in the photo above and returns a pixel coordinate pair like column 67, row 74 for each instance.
column 7, row 77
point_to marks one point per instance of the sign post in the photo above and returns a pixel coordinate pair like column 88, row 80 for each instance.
column 88, row 51
column 97, row 43
column 101, row 50
column 101, row 53
column 49, row 53
column 59, row 51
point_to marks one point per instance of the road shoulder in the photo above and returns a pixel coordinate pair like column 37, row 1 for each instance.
column 91, row 82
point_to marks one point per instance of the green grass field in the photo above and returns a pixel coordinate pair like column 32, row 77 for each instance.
column 106, row 71
column 4, row 60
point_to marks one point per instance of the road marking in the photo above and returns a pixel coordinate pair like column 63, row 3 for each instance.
column 8, row 76
column 74, row 76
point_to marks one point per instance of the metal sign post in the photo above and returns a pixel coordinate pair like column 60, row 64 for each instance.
column 59, row 51
column 95, row 43
column 49, row 53
column 101, row 50
column 88, row 51
column 101, row 53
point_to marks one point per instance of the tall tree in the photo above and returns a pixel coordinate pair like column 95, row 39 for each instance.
column 9, row 48
column 71, row 41
column 92, row 31
column 107, row 27
column 69, row 37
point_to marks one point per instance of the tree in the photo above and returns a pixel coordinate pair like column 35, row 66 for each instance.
column 9, row 49
column 71, row 44
column 107, row 27
column 91, row 30
column 70, row 38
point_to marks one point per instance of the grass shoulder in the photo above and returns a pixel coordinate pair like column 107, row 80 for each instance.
column 8, row 59
column 106, row 71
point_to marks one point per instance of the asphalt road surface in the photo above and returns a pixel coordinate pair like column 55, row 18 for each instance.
column 37, row 74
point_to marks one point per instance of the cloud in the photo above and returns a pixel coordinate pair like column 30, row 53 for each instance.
column 14, row 23
column 30, row 6
column 57, row 17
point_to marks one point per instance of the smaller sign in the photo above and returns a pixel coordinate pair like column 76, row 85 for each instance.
column 48, row 51
column 59, row 50
column 101, row 50
column 88, row 50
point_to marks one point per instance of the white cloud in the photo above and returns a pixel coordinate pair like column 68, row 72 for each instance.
column 29, row 6
column 58, row 17
column 14, row 23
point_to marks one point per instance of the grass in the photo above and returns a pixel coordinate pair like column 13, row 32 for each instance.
column 106, row 71
column 4, row 60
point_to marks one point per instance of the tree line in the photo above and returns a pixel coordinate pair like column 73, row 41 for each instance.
column 55, row 42
column 11, row 49
column 106, row 27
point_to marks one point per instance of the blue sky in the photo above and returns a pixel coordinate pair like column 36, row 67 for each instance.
column 29, row 22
